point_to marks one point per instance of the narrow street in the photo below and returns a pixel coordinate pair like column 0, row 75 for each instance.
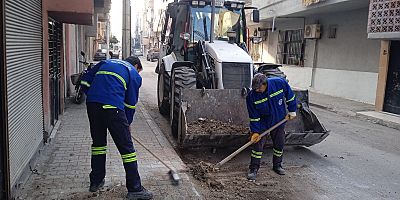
column 341, row 57
column 359, row 160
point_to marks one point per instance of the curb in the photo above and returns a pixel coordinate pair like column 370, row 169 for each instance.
column 360, row 116
column 340, row 112
column 379, row 121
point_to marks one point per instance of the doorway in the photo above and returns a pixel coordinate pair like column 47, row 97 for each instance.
column 392, row 93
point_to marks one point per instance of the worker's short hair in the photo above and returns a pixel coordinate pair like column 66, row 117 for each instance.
column 258, row 80
column 133, row 60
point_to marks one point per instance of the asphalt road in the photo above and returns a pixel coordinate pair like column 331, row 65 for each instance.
column 359, row 160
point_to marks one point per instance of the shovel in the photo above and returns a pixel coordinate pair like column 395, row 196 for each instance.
column 248, row 144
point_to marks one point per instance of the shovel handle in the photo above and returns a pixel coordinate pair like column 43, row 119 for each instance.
column 248, row 144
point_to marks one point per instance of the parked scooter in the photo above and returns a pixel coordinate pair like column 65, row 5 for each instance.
column 76, row 79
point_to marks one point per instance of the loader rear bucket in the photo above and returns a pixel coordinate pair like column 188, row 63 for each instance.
column 219, row 118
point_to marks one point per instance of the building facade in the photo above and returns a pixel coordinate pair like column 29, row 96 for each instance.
column 322, row 44
column 384, row 26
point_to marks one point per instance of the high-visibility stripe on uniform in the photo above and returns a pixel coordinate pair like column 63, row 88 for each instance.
column 99, row 150
column 85, row 83
column 256, row 154
column 129, row 160
column 99, row 153
column 294, row 96
column 108, row 107
column 129, row 106
column 255, row 120
column 129, row 157
column 277, row 153
column 261, row 101
column 276, row 93
column 113, row 74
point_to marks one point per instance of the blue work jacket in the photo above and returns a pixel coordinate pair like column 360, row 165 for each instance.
column 115, row 84
column 268, row 108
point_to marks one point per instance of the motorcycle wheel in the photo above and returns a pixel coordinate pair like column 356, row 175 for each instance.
column 79, row 97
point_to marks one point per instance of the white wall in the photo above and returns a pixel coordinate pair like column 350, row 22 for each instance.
column 299, row 77
column 354, row 85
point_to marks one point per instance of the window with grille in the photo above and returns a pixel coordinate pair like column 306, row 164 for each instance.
column 291, row 45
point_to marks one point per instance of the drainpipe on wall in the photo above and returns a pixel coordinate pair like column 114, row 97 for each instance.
column 314, row 65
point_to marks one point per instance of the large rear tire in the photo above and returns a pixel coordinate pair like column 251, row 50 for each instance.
column 163, row 88
column 182, row 77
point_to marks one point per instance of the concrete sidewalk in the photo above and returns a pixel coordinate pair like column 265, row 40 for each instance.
column 63, row 172
column 354, row 109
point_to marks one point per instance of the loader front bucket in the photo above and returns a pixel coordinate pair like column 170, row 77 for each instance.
column 219, row 118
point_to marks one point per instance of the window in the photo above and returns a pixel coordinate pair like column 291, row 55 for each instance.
column 225, row 20
column 291, row 45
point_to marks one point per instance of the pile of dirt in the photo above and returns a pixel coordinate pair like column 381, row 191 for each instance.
column 230, row 180
column 205, row 126
column 202, row 171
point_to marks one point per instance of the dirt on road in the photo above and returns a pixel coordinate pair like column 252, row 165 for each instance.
column 230, row 182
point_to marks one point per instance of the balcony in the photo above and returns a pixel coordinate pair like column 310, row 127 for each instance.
column 301, row 8
column 71, row 11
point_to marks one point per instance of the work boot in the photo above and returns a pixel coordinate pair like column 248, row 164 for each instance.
column 278, row 169
column 252, row 174
column 94, row 187
column 143, row 194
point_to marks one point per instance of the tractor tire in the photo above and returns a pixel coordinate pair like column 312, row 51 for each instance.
column 163, row 90
column 182, row 77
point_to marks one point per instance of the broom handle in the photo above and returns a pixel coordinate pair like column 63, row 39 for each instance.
column 155, row 156
column 249, row 143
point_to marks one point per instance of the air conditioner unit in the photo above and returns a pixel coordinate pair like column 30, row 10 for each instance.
column 312, row 31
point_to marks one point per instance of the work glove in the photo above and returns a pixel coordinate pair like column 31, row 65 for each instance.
column 255, row 137
column 291, row 115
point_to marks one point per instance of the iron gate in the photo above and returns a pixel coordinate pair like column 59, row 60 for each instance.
column 55, row 42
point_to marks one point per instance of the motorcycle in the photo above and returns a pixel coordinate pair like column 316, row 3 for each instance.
column 76, row 80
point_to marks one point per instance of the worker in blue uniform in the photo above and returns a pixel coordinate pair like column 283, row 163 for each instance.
column 112, row 89
column 269, row 102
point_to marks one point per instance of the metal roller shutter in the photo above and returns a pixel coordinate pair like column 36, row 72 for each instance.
column 24, row 80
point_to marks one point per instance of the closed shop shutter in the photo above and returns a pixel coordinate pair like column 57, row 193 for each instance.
column 23, row 28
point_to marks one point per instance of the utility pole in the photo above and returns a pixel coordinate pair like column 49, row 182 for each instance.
column 108, row 36
column 126, row 29
column 212, row 21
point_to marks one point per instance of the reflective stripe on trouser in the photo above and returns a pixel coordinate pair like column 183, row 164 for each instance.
column 115, row 121
column 99, row 150
column 278, row 141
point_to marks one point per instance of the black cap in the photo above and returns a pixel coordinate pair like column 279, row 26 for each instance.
column 134, row 60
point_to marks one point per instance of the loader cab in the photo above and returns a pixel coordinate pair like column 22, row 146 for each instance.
column 188, row 22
